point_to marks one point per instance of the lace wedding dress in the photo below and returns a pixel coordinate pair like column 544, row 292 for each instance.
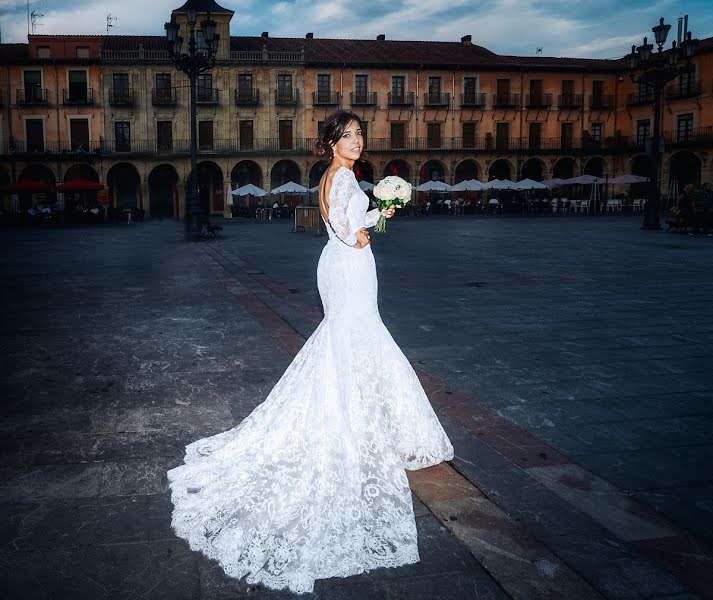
column 312, row 484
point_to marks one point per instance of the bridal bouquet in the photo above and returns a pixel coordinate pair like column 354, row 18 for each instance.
column 390, row 191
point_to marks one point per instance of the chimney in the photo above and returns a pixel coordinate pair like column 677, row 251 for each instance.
column 265, row 34
column 309, row 36
column 467, row 39
column 381, row 37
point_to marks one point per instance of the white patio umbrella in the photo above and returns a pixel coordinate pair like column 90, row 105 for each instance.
column 553, row 183
column 583, row 180
column 433, row 186
column 530, row 184
column 628, row 179
column 500, row 184
column 289, row 188
column 467, row 185
column 248, row 190
column 365, row 185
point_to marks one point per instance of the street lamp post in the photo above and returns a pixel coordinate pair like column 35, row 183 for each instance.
column 194, row 61
column 656, row 70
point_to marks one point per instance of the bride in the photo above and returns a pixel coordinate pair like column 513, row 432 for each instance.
column 312, row 483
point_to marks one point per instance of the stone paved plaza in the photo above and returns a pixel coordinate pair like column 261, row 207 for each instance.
column 569, row 358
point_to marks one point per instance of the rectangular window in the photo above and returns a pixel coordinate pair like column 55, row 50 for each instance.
column 398, row 135
column 535, row 135
column 597, row 132
column 164, row 136
column 469, row 134
column 536, row 92
column 502, row 135
column 246, row 135
column 205, row 135
column 43, row 51
column 120, row 87
column 79, row 134
column 398, row 89
column 568, row 87
column 433, row 134
column 35, row 135
column 33, row 86
column 163, row 87
column 684, row 130
column 245, row 86
column 597, row 93
column 643, row 131
column 470, row 86
column 78, row 86
column 361, row 87
column 320, row 127
column 503, row 92
column 285, row 134
column 122, row 135
column 284, row 87
column 82, row 51
column 644, row 93
column 204, row 88
column 567, row 135
column 323, row 88
column 687, row 81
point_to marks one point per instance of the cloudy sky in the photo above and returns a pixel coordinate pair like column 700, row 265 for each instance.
column 585, row 28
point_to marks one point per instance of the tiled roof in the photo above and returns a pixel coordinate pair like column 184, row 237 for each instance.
column 11, row 53
column 131, row 42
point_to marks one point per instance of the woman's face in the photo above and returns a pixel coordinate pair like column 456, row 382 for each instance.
column 350, row 145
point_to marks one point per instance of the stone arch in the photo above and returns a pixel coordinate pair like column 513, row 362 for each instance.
column 364, row 171
column 398, row 167
column 595, row 166
column 88, row 198
column 210, row 187
column 534, row 169
column 563, row 168
column 163, row 191
column 684, row 168
column 124, row 185
column 316, row 171
column 500, row 169
column 81, row 171
column 641, row 164
column 283, row 171
column 466, row 169
column 244, row 172
column 432, row 170
column 37, row 172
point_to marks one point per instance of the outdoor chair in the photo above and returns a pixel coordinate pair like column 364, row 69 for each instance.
column 583, row 206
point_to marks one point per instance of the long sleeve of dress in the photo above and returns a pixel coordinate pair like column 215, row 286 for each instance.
column 341, row 192
column 371, row 217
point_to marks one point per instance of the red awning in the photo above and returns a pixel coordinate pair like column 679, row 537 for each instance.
column 26, row 185
column 79, row 185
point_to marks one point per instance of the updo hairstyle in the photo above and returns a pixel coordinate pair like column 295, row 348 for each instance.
column 332, row 131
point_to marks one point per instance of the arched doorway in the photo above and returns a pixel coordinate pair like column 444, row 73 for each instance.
column 399, row 168
column 284, row 171
column 533, row 169
column 564, row 168
column 123, row 181
column 210, row 187
column 86, row 199
column 163, row 181
column 641, row 165
column 316, row 172
column 5, row 200
column 467, row 169
column 42, row 173
column 594, row 166
column 432, row 170
column 363, row 171
column 246, row 171
column 685, row 168
column 500, row 169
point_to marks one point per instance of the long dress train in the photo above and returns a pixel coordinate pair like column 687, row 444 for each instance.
column 312, row 483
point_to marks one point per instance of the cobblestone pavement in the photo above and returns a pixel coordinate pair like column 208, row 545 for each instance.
column 568, row 358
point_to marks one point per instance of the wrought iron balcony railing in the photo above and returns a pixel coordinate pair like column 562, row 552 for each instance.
column 640, row 99
column 538, row 100
column 679, row 90
column 436, row 100
column 601, row 101
column 403, row 99
column 506, row 100
column 121, row 97
column 247, row 97
column 472, row 100
column 286, row 97
column 326, row 98
column 78, row 96
column 206, row 95
column 571, row 101
column 31, row 96
column 164, row 96
column 363, row 98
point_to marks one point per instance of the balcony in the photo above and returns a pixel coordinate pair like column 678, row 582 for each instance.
column 506, row 100
column 363, row 98
column 570, row 101
column 436, row 100
column 287, row 97
column 80, row 96
column 640, row 99
column 206, row 95
column 247, row 97
column 122, row 97
column 690, row 138
column 326, row 98
column 34, row 96
column 683, row 90
column 601, row 102
column 164, row 96
column 538, row 100
column 472, row 100
column 403, row 99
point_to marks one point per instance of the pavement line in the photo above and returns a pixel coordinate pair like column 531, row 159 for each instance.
column 629, row 519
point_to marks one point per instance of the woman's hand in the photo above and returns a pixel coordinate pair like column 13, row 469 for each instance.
column 363, row 238
column 388, row 212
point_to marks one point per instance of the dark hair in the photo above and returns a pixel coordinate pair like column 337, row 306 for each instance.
column 332, row 131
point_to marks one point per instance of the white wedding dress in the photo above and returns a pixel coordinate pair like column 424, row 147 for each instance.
column 312, row 484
